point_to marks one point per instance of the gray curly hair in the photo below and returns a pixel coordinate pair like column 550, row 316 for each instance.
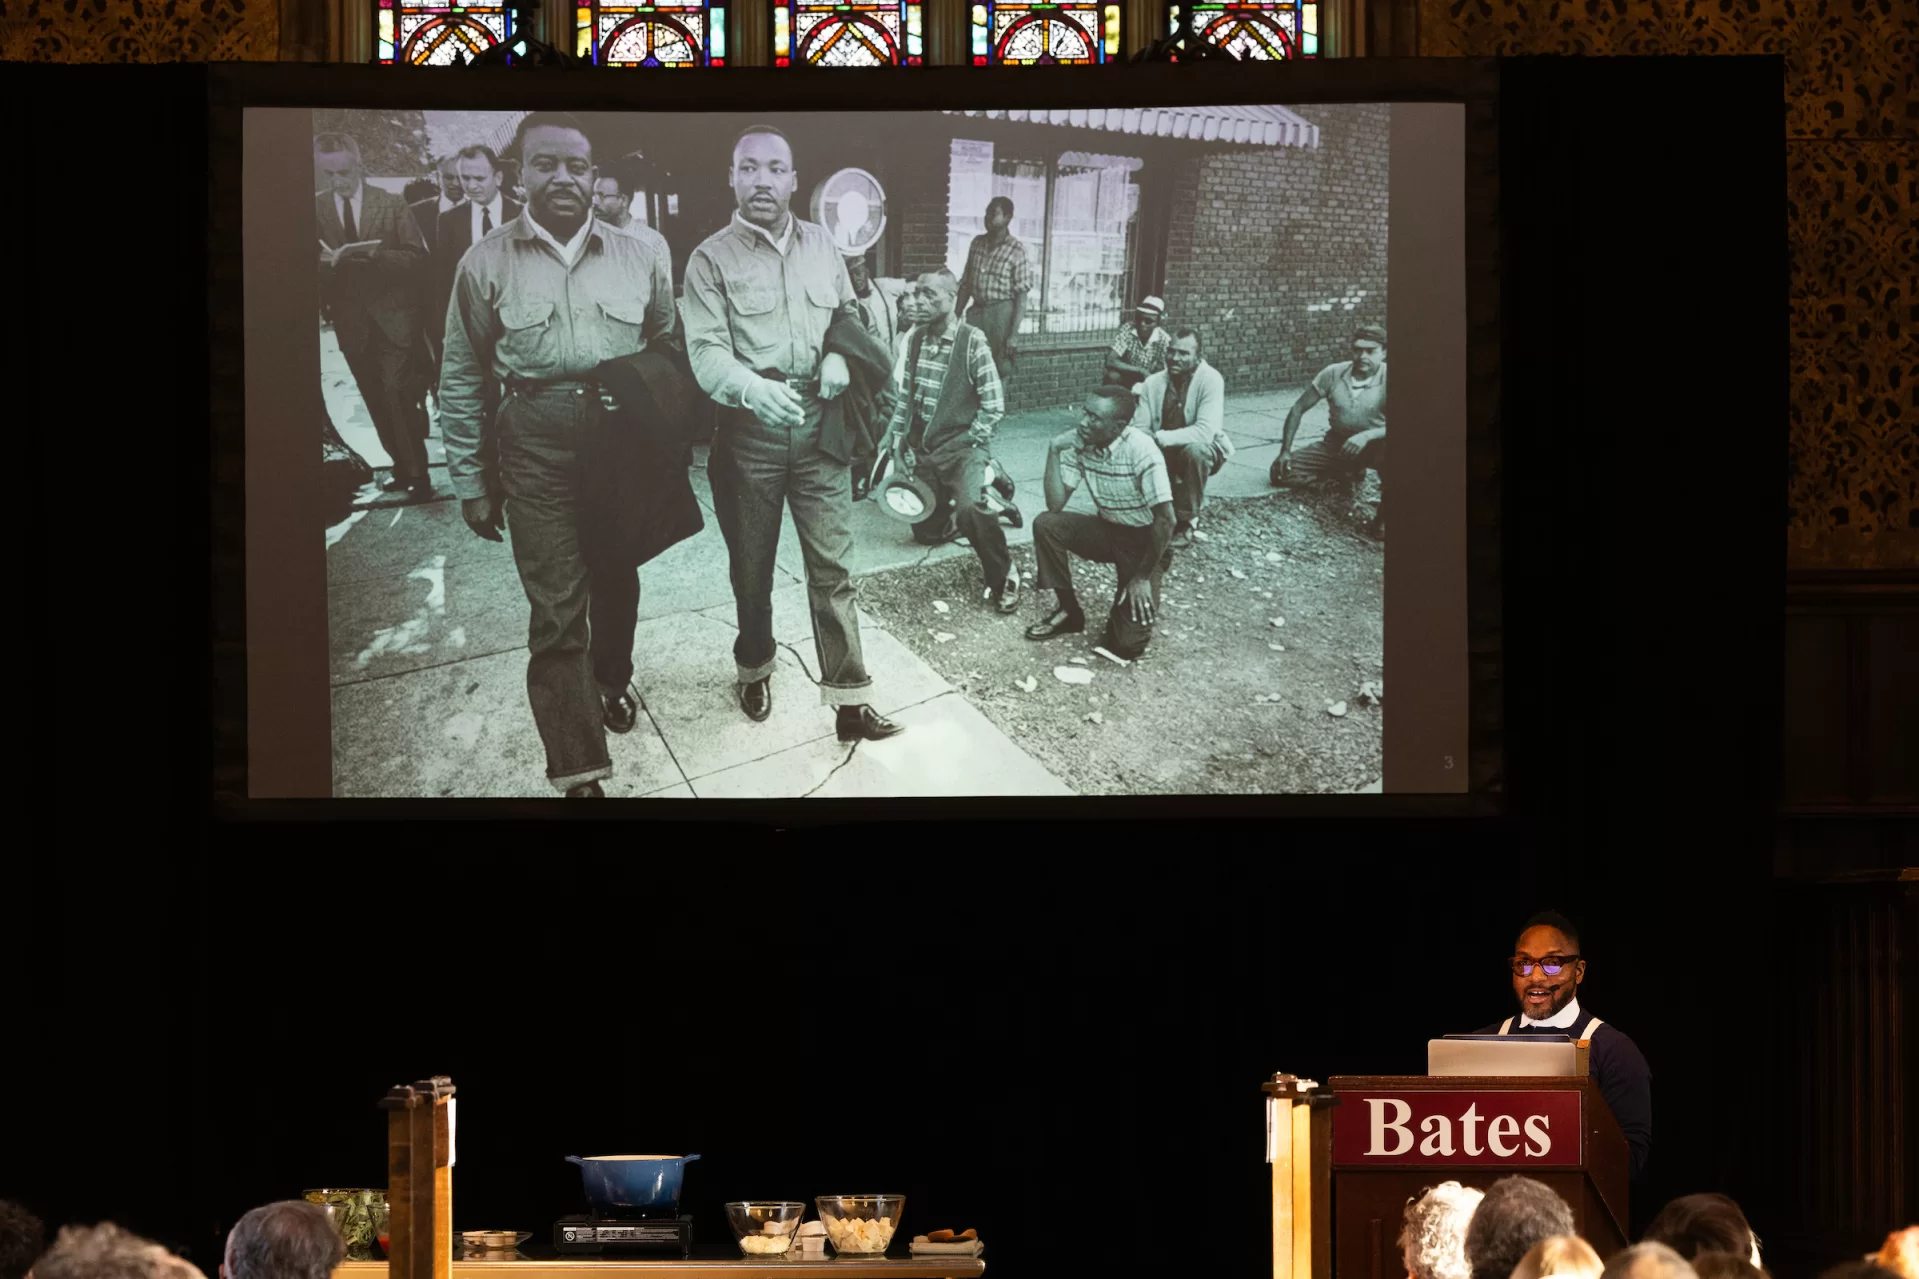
column 1434, row 1236
column 106, row 1251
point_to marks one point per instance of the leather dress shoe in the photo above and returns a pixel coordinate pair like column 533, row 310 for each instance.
column 860, row 488
column 396, row 484
column 1060, row 623
column 586, row 790
column 1007, row 598
column 756, row 699
column 857, row 722
column 620, row 713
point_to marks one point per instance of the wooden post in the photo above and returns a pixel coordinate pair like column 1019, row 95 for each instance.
column 419, row 1145
column 1299, row 1149
column 1302, row 1118
column 1282, row 1153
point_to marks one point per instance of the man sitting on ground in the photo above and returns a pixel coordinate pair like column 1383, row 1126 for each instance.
column 1126, row 477
column 1516, row 1214
column 288, row 1240
column 1355, row 440
column 1139, row 349
column 946, row 401
column 1183, row 407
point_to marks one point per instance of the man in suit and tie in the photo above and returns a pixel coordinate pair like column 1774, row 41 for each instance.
column 485, row 208
column 427, row 212
column 371, row 295
column 1182, row 407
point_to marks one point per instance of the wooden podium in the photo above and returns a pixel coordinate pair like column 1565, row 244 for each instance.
column 1393, row 1137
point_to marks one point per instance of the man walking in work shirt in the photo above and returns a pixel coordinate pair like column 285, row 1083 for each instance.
column 1546, row 971
column 760, row 296
column 538, row 306
column 999, row 275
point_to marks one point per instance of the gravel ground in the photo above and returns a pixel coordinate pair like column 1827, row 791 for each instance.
column 1216, row 705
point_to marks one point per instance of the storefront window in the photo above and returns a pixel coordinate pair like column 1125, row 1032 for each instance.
column 1075, row 213
column 848, row 35
column 667, row 34
column 1026, row 35
column 1255, row 32
column 437, row 34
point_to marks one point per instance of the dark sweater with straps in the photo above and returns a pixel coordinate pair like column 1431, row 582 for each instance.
column 1618, row 1068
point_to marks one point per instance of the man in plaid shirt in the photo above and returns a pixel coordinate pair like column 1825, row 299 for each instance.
column 1140, row 349
column 999, row 275
column 946, row 400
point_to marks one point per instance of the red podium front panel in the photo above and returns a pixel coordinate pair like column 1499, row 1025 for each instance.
column 1393, row 1138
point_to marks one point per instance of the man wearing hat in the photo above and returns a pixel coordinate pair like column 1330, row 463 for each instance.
column 1355, row 439
column 1139, row 351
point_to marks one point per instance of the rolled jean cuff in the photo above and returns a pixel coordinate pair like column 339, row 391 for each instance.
column 754, row 674
column 846, row 694
column 570, row 780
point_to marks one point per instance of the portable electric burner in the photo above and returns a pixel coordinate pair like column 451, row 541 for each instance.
column 584, row 1234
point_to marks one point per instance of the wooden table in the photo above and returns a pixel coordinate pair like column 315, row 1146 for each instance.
column 717, row 1266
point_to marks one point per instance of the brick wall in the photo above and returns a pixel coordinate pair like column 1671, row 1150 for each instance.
column 1276, row 254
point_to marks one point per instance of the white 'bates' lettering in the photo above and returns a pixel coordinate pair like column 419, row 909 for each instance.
column 1403, row 1136
column 1436, row 1132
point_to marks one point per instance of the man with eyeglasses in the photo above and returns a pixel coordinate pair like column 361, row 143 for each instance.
column 1546, row 971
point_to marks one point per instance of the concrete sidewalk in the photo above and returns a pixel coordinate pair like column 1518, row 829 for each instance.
column 427, row 638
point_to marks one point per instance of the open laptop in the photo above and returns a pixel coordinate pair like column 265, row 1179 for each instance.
column 1502, row 1055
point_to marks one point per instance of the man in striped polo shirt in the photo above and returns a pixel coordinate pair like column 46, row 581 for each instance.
column 1125, row 475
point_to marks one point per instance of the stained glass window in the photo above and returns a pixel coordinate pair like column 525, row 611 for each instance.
column 1253, row 31
column 670, row 33
column 438, row 33
column 811, row 33
column 1024, row 35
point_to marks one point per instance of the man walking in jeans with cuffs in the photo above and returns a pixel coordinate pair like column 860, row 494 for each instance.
column 760, row 296
column 538, row 305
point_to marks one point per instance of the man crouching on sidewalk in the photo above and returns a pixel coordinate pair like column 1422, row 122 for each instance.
column 1126, row 478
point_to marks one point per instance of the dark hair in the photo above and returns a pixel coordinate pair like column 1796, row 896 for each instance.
column 479, row 152
column 751, row 129
column 549, row 120
column 336, row 144
column 1725, row 1265
column 420, row 189
column 289, row 1240
column 1516, row 1213
column 22, row 1238
column 1125, row 397
column 1692, row 1224
column 1000, row 202
column 1187, row 331
column 1551, row 919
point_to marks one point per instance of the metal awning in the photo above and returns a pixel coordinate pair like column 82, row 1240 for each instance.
column 1252, row 126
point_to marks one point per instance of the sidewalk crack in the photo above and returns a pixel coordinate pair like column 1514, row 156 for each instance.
column 853, row 747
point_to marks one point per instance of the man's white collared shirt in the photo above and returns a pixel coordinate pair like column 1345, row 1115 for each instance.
column 1561, row 1020
column 495, row 208
column 571, row 250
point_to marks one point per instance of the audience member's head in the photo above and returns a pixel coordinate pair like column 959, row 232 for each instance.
column 1901, row 1253
column 1567, row 1256
column 21, row 1239
column 289, row 1240
column 1725, row 1265
column 1692, row 1224
column 107, row 1252
column 1648, row 1261
column 1516, row 1213
column 1433, row 1238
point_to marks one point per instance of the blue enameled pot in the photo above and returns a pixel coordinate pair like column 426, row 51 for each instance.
column 618, row 1184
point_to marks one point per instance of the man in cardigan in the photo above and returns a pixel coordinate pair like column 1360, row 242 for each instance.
column 1183, row 407
column 946, row 400
column 1547, row 970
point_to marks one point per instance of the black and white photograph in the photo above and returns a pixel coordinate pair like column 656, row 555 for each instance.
column 812, row 454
